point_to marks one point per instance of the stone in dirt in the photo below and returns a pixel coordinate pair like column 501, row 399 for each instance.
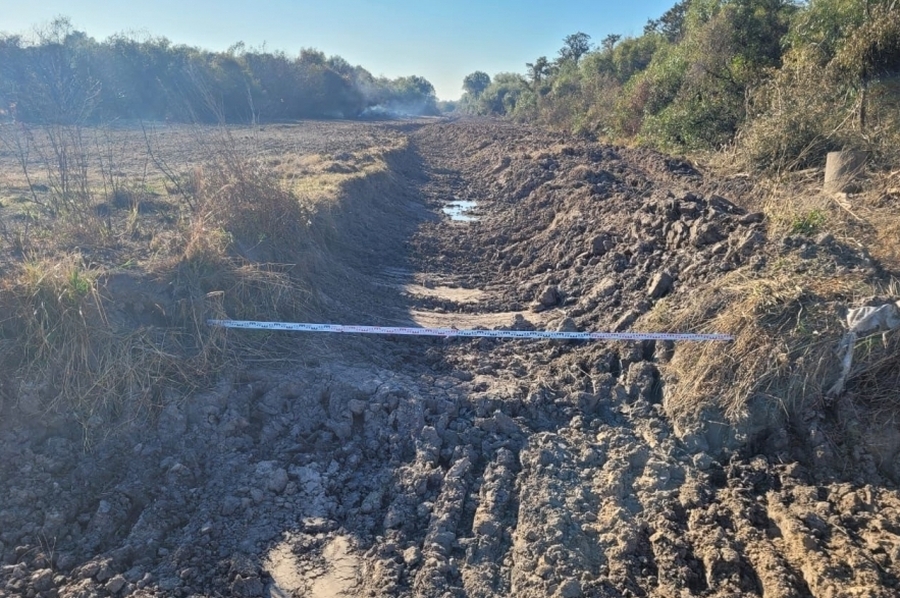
column 660, row 285
column 600, row 244
column 278, row 479
column 752, row 218
column 567, row 325
column 115, row 584
column 626, row 320
column 549, row 296
column 705, row 233
column 570, row 588
column 42, row 580
column 247, row 587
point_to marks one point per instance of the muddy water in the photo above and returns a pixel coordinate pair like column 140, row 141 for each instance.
column 459, row 210
column 338, row 576
column 282, row 566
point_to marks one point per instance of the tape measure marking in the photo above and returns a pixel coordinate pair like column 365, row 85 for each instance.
column 469, row 333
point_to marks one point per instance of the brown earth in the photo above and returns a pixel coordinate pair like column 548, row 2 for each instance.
column 450, row 467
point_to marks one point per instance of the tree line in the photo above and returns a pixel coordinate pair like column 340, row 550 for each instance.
column 782, row 80
column 62, row 75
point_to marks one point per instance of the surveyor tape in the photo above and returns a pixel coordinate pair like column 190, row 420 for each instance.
column 471, row 333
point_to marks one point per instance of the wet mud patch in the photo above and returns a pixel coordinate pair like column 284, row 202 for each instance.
column 313, row 566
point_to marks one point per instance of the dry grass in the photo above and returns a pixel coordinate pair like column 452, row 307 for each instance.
column 232, row 239
column 875, row 377
column 323, row 177
column 264, row 220
column 67, row 355
column 787, row 319
column 246, row 290
column 796, row 204
column 802, row 113
column 877, row 208
column 785, row 327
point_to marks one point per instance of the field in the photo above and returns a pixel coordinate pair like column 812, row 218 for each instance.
column 145, row 453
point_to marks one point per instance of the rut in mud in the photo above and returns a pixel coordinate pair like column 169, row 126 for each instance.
column 432, row 467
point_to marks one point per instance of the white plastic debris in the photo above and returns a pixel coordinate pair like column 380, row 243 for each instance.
column 863, row 321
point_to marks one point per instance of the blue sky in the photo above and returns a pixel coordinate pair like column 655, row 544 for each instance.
column 441, row 41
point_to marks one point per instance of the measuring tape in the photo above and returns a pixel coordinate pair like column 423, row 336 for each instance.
column 470, row 333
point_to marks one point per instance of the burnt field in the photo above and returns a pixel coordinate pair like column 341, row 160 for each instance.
column 143, row 453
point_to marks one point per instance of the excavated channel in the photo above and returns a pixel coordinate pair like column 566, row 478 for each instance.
column 433, row 467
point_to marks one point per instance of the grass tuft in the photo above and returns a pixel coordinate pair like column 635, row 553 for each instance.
column 808, row 223
column 785, row 330
column 69, row 357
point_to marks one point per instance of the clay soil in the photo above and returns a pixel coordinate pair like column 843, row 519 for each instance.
column 398, row 466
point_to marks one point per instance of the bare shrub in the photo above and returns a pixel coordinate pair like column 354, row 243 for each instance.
column 74, row 179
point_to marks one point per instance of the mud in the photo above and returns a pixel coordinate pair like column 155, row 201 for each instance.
column 417, row 467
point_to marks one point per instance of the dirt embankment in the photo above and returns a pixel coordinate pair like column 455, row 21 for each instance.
column 415, row 467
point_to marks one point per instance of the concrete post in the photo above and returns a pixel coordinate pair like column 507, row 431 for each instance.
column 841, row 169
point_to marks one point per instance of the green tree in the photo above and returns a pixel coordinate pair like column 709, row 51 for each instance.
column 671, row 24
column 502, row 95
column 576, row 46
column 693, row 93
column 64, row 76
column 413, row 95
column 58, row 84
column 538, row 71
column 858, row 42
column 12, row 74
column 609, row 42
column 475, row 83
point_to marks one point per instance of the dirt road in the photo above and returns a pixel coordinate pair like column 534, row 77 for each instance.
column 432, row 467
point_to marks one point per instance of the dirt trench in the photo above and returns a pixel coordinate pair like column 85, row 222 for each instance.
column 451, row 467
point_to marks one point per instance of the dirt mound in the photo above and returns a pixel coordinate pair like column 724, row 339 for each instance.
column 433, row 467
column 602, row 226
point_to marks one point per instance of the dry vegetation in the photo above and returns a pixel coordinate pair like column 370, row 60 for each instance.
column 785, row 333
column 787, row 314
column 120, row 244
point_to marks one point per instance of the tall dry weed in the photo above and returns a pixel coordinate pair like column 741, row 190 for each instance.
column 67, row 356
column 785, row 328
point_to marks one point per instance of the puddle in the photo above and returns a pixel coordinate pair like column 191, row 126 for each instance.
column 337, row 579
column 459, row 209
column 283, row 568
column 341, row 576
